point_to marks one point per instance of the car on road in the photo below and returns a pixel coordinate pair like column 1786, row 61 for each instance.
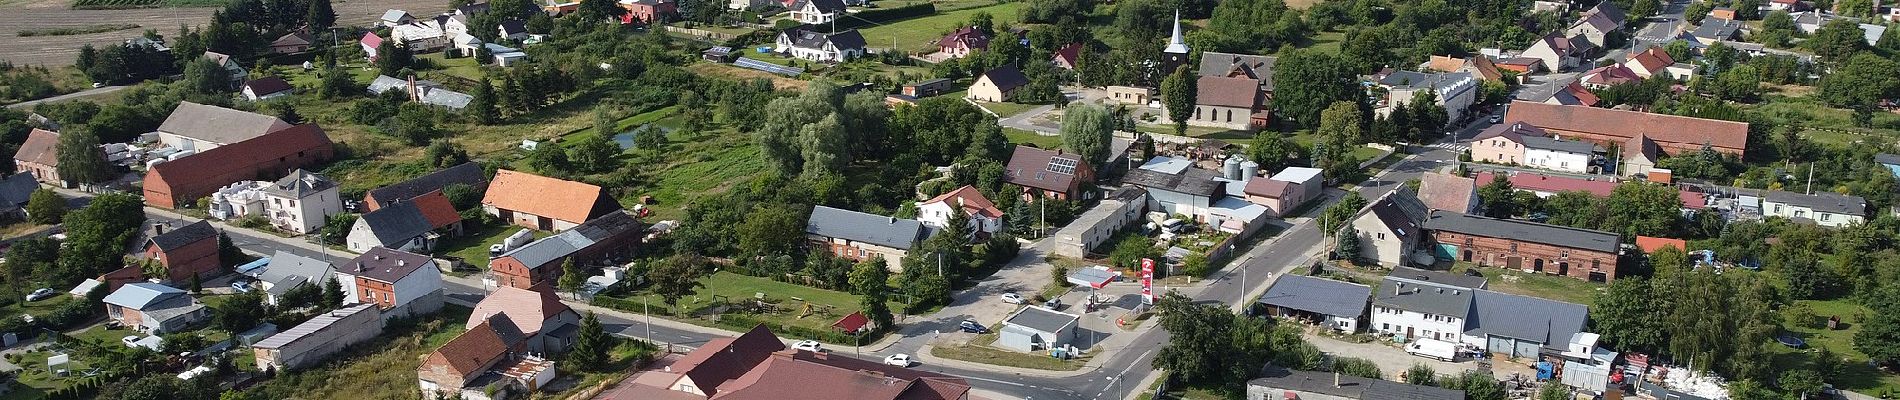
column 972, row 327
column 809, row 345
column 901, row 360
column 1053, row 304
column 1013, row 298
column 1497, row 119
column 130, row 341
column 40, row 294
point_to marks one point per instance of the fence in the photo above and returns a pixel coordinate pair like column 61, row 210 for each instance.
column 703, row 34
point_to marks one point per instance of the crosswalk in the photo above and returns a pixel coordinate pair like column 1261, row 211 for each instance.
column 1453, row 146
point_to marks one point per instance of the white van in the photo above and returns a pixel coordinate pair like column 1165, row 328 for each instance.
column 1436, row 349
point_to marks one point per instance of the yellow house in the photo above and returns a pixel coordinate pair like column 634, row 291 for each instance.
column 997, row 85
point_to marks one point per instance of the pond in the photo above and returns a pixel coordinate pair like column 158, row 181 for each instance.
column 625, row 139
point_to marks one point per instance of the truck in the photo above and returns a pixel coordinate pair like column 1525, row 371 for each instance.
column 1436, row 349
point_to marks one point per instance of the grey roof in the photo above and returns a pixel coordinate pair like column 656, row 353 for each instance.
column 384, row 83
column 1195, row 181
column 396, row 222
column 16, row 190
column 300, row 184
column 1610, row 10
column 314, row 325
column 1828, row 202
column 447, row 98
column 218, row 124
column 174, row 310
column 394, row 15
column 1350, row 387
column 803, row 37
column 1549, row 322
column 1042, row 319
column 1388, row 390
column 1220, row 64
column 186, row 235
column 1400, row 212
column 829, row 6
column 287, row 270
column 513, row 26
column 1567, row 146
column 1716, row 28
column 385, row 265
column 1554, row 235
column 1323, row 296
column 893, row 232
column 469, row 173
column 1474, row 282
column 140, row 295
column 546, row 250
column 1421, row 296
column 1889, row 159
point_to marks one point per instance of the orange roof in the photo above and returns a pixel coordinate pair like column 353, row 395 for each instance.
column 477, row 348
column 1486, row 69
column 1652, row 244
column 1446, row 63
column 971, row 200
column 436, row 208
column 1678, row 131
column 539, row 195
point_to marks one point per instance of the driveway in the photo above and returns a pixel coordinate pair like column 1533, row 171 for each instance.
column 1391, row 360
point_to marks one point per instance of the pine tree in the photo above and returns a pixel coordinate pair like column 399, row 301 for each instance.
column 197, row 284
column 332, row 293
column 590, row 348
column 483, row 106
column 320, row 16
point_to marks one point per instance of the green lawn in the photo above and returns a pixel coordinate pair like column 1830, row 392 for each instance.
column 1327, row 41
column 37, row 308
column 788, row 300
column 1554, row 287
column 980, row 351
column 1006, row 110
column 917, row 33
column 1812, row 113
column 1197, row 132
column 473, row 247
column 697, row 164
column 382, row 368
column 464, row 67
column 1855, row 374
column 1366, row 153
column 1027, row 137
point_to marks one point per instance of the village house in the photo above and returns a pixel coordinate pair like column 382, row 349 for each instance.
column 1389, row 229
column 1137, row 95
column 1546, row 185
column 1480, row 67
column 816, row 12
column 1175, row 187
column 315, row 340
column 1045, row 173
column 1526, row 246
column 1715, row 30
column 15, row 191
column 266, row 88
column 1217, row 100
column 1557, row 53
column 1281, row 383
column 928, row 87
column 860, row 236
column 1572, row 94
column 604, row 239
column 39, row 156
column 997, row 85
column 299, row 203
column 154, row 309
column 191, row 250
column 1822, row 208
column 1456, row 92
column 1523, row 144
column 1508, row 325
column 1067, row 57
column 1523, row 66
column 409, row 225
column 468, row 173
column 963, row 41
column 1654, row 61
column 398, row 282
column 179, row 183
column 1605, row 127
column 547, row 325
column 292, row 43
column 543, row 203
column 647, row 11
column 808, row 44
column 200, row 127
column 370, row 43
column 1595, row 24
column 232, row 70
column 1286, row 190
column 985, row 218
column 1604, row 77
column 757, row 365
column 1099, row 224
column 1442, row 191
column 489, row 361
column 287, row 271
column 1331, row 304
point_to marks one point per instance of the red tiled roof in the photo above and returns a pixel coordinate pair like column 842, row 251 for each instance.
column 968, row 36
column 548, row 197
column 477, row 348
column 852, row 323
column 436, row 208
column 529, row 308
column 371, row 40
column 1652, row 244
column 1269, row 188
column 1668, row 130
column 1692, row 200
column 1652, row 60
column 1584, row 96
column 40, row 148
column 970, row 200
column 1227, row 92
column 1611, row 75
column 803, row 375
column 1068, row 54
column 1552, row 184
column 725, row 359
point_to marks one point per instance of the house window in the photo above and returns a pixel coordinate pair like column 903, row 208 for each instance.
column 1826, row 216
column 1777, row 208
column 1513, row 246
column 1381, row 235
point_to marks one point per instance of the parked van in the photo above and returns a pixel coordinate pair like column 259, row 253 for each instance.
column 1436, row 349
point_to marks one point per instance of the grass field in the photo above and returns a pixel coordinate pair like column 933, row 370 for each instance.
column 1554, row 287
column 1006, row 110
column 1855, row 374
column 916, row 34
column 979, row 350
column 1327, row 41
column 382, row 368
column 473, row 247
column 1026, row 137
column 1812, row 113
column 1197, row 131
column 789, row 300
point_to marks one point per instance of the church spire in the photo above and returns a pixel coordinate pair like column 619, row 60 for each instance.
column 1175, row 44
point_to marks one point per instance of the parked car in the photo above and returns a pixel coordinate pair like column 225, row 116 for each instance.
column 241, row 286
column 1497, row 119
column 130, row 341
column 1013, row 298
column 901, row 360
column 1053, row 304
column 40, row 294
column 809, row 345
column 972, row 327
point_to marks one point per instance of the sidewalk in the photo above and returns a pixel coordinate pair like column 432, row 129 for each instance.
column 1106, row 350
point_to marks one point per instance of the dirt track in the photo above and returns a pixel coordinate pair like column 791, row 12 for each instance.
column 60, row 50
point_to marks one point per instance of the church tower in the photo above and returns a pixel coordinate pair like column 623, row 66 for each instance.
column 1176, row 54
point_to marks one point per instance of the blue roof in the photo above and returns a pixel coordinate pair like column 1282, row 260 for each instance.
column 139, row 295
column 253, row 266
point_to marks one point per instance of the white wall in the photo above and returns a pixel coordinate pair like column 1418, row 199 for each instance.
column 424, row 281
column 1557, row 160
column 1394, row 321
column 1784, row 210
column 938, row 215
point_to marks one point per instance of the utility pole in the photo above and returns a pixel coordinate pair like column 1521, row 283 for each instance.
column 648, row 312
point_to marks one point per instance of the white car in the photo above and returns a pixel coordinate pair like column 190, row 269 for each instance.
column 901, row 360
column 40, row 294
column 1497, row 119
column 809, row 345
column 1013, row 298
column 130, row 341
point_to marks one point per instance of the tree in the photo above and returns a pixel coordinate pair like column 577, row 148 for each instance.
column 1177, row 94
column 1270, row 150
column 332, row 294
column 1341, row 129
column 676, row 277
column 98, row 234
column 1837, row 40
column 1555, row 392
column 773, row 231
column 1889, row 40
column 1879, row 335
column 1086, row 131
column 598, row 11
column 1323, row 79
column 207, row 77
column 1800, row 382
column 45, row 207
column 1861, row 83
column 336, row 84
column 591, row 346
column 240, row 313
column 595, row 154
column 1629, row 315
column 336, row 228
column 1637, row 208
column 482, row 107
column 320, row 16
column 870, row 276
column 80, row 159
column 392, row 59
column 1359, row 367
column 1421, row 374
column 1478, row 385
column 571, row 276
column 1498, row 199
column 1348, row 248
column 876, row 308
column 228, row 252
column 928, row 290
column 1210, row 346
column 548, row 158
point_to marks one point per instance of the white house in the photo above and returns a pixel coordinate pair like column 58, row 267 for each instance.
column 1455, row 91
column 1510, row 325
column 399, row 282
column 288, row 271
column 265, row 88
column 816, row 46
column 1420, row 310
column 1823, row 208
column 816, row 12
column 983, row 215
column 1557, row 154
column 1335, row 305
column 299, row 203
column 1557, row 52
column 1389, row 229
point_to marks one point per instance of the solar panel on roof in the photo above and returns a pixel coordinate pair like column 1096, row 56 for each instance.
column 1062, row 166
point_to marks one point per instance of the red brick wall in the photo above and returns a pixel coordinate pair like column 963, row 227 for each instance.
column 1496, row 252
column 380, row 293
column 200, row 258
